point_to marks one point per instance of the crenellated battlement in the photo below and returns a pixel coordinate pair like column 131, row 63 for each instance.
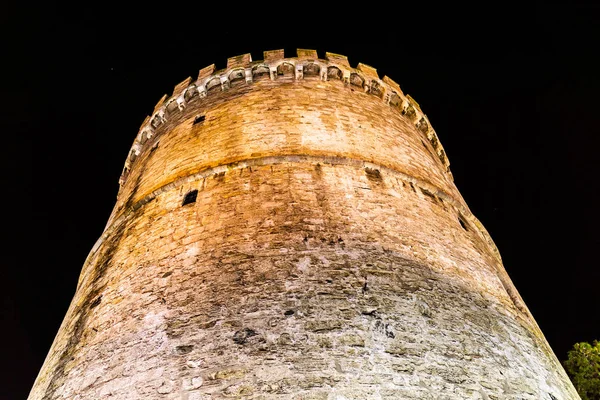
column 275, row 66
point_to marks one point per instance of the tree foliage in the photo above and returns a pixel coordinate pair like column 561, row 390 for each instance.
column 583, row 367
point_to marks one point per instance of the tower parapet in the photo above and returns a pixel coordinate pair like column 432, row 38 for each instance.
column 275, row 67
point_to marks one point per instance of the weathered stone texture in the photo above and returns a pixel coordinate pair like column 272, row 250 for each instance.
column 328, row 255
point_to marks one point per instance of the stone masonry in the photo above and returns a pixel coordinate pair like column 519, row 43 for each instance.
column 289, row 229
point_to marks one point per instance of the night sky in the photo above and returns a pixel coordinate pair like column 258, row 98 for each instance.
column 513, row 97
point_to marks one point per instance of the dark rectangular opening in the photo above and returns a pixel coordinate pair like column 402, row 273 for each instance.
column 190, row 197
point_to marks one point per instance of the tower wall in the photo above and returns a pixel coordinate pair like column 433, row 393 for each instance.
column 327, row 255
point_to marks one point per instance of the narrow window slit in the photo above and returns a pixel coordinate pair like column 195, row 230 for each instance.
column 190, row 197
column 463, row 223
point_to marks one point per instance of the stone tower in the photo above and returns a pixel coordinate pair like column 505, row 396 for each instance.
column 289, row 229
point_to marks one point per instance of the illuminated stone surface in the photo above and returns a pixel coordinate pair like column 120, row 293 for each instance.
column 327, row 254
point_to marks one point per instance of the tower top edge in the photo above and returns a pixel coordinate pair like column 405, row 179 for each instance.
column 306, row 63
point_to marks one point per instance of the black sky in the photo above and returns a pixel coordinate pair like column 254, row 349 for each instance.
column 512, row 95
